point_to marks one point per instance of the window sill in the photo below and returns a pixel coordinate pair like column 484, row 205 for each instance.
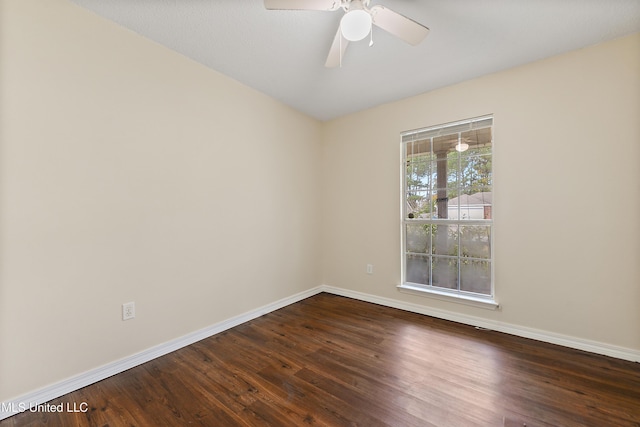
column 487, row 303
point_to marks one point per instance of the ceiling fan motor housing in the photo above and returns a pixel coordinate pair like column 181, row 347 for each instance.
column 356, row 23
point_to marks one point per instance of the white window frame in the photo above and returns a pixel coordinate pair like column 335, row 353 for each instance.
column 455, row 295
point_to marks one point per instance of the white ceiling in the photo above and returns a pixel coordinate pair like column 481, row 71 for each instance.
column 282, row 53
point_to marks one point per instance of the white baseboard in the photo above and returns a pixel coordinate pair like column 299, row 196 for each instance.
column 74, row 383
column 61, row 388
column 521, row 331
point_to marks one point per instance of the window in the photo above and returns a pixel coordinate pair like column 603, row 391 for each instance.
column 447, row 209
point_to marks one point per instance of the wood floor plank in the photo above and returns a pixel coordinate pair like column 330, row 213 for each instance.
column 323, row 408
column 335, row 361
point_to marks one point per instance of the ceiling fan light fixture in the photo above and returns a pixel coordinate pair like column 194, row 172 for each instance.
column 462, row 146
column 356, row 25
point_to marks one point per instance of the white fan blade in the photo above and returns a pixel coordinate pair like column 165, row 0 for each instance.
column 336, row 52
column 302, row 4
column 398, row 25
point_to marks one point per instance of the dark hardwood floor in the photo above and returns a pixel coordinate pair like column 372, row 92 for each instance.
column 334, row 361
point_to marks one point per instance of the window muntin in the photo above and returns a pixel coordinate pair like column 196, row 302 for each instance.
column 447, row 207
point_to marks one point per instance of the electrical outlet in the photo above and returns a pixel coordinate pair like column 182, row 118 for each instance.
column 369, row 268
column 128, row 310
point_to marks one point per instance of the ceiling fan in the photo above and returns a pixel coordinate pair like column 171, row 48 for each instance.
column 356, row 24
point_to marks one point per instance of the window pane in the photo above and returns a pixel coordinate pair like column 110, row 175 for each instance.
column 475, row 171
column 445, row 240
column 418, row 204
column 475, row 241
column 417, row 238
column 476, row 140
column 417, row 269
column 448, row 204
column 441, row 201
column 418, row 174
column 418, row 184
column 449, row 178
column 445, row 171
column 417, row 148
column 445, row 272
column 475, row 276
column 474, row 203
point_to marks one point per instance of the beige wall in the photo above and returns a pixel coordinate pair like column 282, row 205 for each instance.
column 130, row 173
column 567, row 192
